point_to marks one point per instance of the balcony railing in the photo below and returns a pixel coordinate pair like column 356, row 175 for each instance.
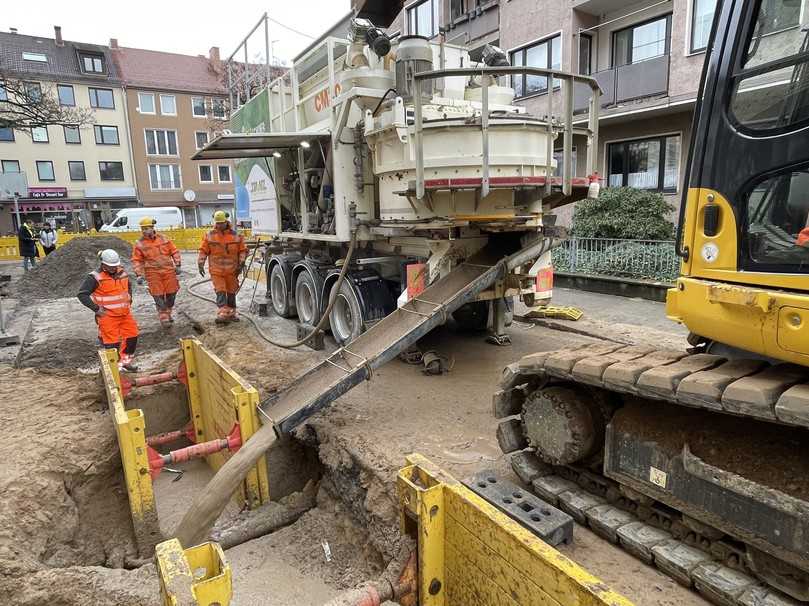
column 647, row 78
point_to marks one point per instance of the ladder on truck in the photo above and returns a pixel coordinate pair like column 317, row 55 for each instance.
column 356, row 362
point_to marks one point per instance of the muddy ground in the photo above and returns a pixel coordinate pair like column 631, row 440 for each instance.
column 65, row 536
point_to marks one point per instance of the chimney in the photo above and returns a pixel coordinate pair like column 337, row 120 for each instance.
column 114, row 43
column 213, row 54
column 57, row 32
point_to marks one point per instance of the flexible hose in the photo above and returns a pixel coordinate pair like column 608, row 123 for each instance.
column 323, row 320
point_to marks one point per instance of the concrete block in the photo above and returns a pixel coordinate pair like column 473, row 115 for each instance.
column 677, row 560
column 720, row 584
column 576, row 502
column 605, row 520
column 639, row 538
column 548, row 488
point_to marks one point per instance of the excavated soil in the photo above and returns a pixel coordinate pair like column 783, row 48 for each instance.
column 65, row 531
column 61, row 273
column 768, row 454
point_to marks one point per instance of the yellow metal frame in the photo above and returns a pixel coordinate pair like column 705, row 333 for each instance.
column 218, row 398
column 469, row 552
column 199, row 575
column 130, row 430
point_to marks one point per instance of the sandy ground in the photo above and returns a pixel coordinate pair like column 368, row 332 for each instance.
column 365, row 435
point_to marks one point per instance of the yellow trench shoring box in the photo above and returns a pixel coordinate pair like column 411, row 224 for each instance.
column 218, row 399
column 199, row 575
column 469, row 552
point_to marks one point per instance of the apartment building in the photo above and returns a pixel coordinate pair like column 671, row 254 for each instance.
column 175, row 105
column 77, row 177
column 647, row 57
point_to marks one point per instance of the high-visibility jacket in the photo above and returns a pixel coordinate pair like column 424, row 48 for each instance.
column 803, row 237
column 112, row 293
column 158, row 254
column 225, row 251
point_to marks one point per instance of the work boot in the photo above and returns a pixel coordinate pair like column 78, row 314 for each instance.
column 222, row 315
column 169, row 312
column 127, row 363
column 234, row 316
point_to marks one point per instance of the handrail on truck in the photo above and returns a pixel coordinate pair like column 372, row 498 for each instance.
column 569, row 81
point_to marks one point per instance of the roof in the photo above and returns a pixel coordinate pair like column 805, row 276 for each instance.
column 167, row 71
column 63, row 61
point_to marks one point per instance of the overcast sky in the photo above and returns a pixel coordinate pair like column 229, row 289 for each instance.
column 178, row 26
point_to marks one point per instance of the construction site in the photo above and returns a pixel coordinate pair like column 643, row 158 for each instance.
column 375, row 395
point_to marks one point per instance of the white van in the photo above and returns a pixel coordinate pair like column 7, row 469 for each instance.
column 128, row 219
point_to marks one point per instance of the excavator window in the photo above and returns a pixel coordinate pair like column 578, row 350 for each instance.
column 771, row 91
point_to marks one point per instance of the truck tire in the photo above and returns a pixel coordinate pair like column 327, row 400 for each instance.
column 346, row 315
column 472, row 317
column 279, row 293
column 306, row 299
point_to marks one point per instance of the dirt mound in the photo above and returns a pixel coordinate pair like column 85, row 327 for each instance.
column 62, row 499
column 61, row 273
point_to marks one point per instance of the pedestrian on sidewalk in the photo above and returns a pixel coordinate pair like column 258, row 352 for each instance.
column 226, row 253
column 156, row 259
column 48, row 238
column 107, row 292
column 28, row 245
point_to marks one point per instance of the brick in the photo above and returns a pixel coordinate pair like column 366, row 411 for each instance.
column 639, row 538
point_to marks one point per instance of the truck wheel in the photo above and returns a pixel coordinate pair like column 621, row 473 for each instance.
column 472, row 317
column 306, row 299
column 279, row 294
column 346, row 315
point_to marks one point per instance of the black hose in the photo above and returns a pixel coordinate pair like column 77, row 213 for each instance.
column 323, row 320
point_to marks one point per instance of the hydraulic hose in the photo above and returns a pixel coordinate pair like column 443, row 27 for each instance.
column 323, row 320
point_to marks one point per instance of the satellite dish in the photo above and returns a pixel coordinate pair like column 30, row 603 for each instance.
column 189, row 195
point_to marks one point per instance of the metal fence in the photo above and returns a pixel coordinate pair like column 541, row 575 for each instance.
column 637, row 259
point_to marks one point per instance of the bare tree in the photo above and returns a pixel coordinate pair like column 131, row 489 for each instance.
column 26, row 105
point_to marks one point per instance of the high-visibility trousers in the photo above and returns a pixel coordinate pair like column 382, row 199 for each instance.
column 115, row 330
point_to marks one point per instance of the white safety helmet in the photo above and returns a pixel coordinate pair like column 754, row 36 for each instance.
column 110, row 258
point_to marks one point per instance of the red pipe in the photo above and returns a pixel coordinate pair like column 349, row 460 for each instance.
column 127, row 384
column 168, row 437
column 157, row 461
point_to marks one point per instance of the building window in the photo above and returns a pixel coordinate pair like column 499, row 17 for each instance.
column 161, row 142
column 422, row 19
column 102, row 98
column 111, row 171
column 218, row 108
column 641, row 42
column 66, row 96
column 6, row 134
column 645, row 164
column 33, row 90
column 10, row 166
column 168, row 105
column 164, row 176
column 72, row 134
column 45, row 170
column 546, row 54
column 205, row 173
column 39, row 134
column 198, row 107
column 92, row 63
column 38, row 57
column 701, row 21
column 106, row 135
column 224, row 174
column 585, row 54
column 201, row 138
column 146, row 103
column 76, row 170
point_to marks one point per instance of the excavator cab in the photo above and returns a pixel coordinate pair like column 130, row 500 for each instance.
column 744, row 225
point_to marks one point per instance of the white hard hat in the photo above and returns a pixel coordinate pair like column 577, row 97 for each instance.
column 110, row 257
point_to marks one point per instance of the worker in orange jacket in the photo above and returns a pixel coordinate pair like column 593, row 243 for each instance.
column 108, row 293
column 156, row 258
column 226, row 253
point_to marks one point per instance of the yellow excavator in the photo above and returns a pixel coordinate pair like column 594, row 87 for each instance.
column 705, row 450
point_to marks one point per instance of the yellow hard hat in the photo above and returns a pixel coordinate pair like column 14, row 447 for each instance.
column 147, row 222
column 220, row 216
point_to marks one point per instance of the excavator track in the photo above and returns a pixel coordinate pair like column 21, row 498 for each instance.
column 693, row 462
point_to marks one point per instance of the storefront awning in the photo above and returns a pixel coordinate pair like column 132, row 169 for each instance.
column 256, row 145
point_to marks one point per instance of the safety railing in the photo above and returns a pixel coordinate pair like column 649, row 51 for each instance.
column 568, row 82
column 637, row 259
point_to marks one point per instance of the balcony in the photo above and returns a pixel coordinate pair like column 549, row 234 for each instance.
column 649, row 78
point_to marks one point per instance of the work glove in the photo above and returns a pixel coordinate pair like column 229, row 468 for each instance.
column 177, row 270
column 201, row 267
column 140, row 280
